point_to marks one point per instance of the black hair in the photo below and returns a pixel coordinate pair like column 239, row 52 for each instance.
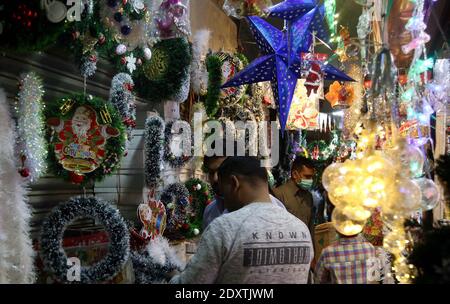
column 301, row 161
column 248, row 167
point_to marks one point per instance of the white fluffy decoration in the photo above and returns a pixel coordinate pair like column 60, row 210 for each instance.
column 161, row 252
column 16, row 251
column 199, row 74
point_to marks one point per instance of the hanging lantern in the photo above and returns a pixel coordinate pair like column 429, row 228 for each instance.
column 340, row 96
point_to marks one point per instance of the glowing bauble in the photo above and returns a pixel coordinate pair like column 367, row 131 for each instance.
column 329, row 174
column 356, row 213
column 395, row 241
column 403, row 198
column 408, row 157
column 344, row 225
column 430, row 193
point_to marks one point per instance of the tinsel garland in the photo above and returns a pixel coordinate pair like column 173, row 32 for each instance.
column 214, row 68
column 88, row 65
column 121, row 96
column 177, row 161
column 61, row 216
column 115, row 146
column 175, row 199
column 31, row 144
column 154, row 141
column 16, row 251
column 200, row 195
column 156, row 260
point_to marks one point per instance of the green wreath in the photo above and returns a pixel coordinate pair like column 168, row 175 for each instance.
column 163, row 75
column 112, row 150
column 214, row 98
column 26, row 27
column 200, row 195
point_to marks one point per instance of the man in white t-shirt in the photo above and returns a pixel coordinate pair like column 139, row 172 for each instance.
column 256, row 242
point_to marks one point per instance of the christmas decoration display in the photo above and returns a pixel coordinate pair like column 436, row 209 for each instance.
column 304, row 20
column 166, row 75
column 153, row 217
column 304, row 112
column 26, row 27
column 340, row 96
column 154, row 150
column 222, row 67
column 31, row 144
column 243, row 8
column 199, row 73
column 175, row 199
column 85, row 131
column 53, row 231
column 279, row 64
column 121, row 96
column 16, row 251
column 182, row 154
column 155, row 261
column 200, row 195
column 172, row 19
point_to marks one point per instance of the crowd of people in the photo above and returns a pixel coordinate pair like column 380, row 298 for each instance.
column 255, row 234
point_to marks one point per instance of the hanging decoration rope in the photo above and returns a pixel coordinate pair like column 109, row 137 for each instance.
column 53, row 231
column 31, row 144
column 85, row 131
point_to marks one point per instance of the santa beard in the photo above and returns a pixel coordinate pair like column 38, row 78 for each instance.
column 80, row 131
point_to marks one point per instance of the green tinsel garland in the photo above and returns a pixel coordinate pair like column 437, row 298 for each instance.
column 199, row 198
column 214, row 68
column 113, row 146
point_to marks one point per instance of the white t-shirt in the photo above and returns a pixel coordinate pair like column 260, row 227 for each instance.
column 257, row 244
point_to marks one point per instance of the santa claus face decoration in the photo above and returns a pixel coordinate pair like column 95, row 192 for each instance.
column 80, row 140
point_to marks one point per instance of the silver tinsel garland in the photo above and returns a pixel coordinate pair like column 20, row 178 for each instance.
column 88, row 65
column 123, row 99
column 29, row 108
column 61, row 216
column 154, row 141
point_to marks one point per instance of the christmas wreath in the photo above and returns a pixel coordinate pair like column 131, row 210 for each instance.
column 163, row 76
column 53, row 231
column 26, row 27
column 222, row 66
column 175, row 199
column 86, row 138
column 200, row 195
column 173, row 160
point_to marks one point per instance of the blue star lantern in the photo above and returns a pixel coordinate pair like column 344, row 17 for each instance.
column 303, row 18
column 273, row 66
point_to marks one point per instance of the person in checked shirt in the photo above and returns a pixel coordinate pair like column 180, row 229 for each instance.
column 350, row 260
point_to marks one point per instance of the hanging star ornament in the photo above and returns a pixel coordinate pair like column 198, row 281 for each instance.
column 304, row 19
column 273, row 66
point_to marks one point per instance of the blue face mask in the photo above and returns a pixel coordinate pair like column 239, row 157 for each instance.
column 305, row 184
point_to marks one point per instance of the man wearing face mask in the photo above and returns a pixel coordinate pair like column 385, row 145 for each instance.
column 296, row 195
